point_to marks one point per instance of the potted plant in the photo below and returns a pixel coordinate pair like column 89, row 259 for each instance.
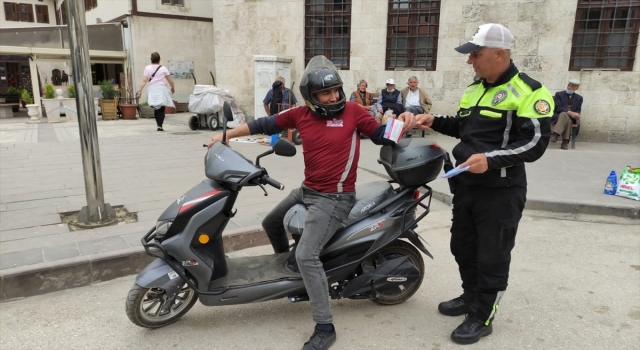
column 146, row 111
column 13, row 96
column 129, row 106
column 32, row 109
column 108, row 102
column 51, row 104
column 69, row 104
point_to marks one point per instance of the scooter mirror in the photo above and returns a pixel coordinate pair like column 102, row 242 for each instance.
column 226, row 108
column 284, row 148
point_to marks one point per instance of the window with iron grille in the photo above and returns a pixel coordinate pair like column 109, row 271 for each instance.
column 11, row 11
column 605, row 34
column 412, row 34
column 26, row 12
column 173, row 2
column 42, row 13
column 18, row 12
column 327, row 31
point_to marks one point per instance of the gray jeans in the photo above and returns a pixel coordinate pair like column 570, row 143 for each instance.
column 327, row 214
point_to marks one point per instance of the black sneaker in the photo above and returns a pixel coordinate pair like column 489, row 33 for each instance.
column 454, row 307
column 471, row 330
column 320, row 340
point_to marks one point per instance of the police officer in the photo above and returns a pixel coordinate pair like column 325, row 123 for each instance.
column 502, row 122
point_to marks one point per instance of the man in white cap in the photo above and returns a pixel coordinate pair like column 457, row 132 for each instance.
column 502, row 122
column 390, row 99
column 568, row 105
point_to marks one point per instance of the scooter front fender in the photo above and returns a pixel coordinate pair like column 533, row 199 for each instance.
column 159, row 274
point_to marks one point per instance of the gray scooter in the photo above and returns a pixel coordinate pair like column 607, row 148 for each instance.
column 374, row 257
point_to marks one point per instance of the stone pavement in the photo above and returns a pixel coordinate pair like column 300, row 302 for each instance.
column 145, row 170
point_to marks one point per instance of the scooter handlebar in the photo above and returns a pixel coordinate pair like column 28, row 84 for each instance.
column 269, row 181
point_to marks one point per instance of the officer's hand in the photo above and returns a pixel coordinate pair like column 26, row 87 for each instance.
column 409, row 120
column 214, row 139
column 477, row 163
column 424, row 121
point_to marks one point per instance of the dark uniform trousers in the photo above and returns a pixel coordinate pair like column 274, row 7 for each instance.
column 483, row 232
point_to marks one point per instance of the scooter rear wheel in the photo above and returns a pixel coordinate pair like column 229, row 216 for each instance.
column 147, row 307
column 399, row 249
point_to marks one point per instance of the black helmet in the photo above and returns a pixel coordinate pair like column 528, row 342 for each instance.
column 321, row 75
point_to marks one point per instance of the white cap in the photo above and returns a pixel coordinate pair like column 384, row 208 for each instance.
column 488, row 35
column 391, row 81
column 574, row 81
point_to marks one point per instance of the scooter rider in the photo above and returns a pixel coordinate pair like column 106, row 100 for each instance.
column 330, row 128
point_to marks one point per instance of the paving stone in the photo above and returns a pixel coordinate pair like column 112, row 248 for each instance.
column 247, row 220
column 16, row 222
column 134, row 239
column 231, row 225
column 102, row 245
column 25, row 257
column 61, row 252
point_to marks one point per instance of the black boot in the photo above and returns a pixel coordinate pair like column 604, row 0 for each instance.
column 471, row 330
column 320, row 340
column 454, row 307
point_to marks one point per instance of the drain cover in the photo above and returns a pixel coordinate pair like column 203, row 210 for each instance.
column 187, row 133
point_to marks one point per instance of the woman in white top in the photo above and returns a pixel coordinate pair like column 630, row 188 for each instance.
column 158, row 96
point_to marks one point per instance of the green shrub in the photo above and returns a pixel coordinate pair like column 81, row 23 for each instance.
column 71, row 90
column 108, row 91
column 49, row 92
column 13, row 91
column 145, row 104
column 24, row 95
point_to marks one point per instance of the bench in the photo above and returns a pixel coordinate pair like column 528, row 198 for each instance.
column 6, row 109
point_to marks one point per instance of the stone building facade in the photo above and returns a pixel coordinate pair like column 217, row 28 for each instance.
column 543, row 31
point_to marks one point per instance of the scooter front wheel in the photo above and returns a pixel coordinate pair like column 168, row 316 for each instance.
column 151, row 307
column 401, row 294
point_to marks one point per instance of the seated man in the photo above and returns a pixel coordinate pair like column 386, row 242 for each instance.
column 568, row 105
column 279, row 94
column 414, row 99
column 363, row 98
column 389, row 99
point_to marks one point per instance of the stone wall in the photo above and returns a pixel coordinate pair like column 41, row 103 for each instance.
column 542, row 28
column 173, row 39
column 242, row 29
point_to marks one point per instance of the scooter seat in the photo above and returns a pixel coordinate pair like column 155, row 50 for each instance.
column 368, row 196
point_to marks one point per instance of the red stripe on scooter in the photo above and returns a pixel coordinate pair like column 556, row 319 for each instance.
column 200, row 198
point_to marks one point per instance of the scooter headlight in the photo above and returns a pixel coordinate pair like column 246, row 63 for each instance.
column 162, row 227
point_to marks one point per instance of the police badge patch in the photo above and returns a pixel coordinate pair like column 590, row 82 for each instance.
column 498, row 97
column 542, row 107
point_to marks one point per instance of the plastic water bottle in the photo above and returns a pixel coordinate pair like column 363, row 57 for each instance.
column 611, row 185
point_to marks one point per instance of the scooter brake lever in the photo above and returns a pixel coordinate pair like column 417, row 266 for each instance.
column 264, row 189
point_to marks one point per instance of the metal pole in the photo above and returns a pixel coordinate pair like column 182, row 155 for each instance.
column 96, row 212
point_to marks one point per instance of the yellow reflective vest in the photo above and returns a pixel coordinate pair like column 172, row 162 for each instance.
column 507, row 120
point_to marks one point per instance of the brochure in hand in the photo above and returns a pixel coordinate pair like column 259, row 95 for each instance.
column 393, row 130
column 455, row 171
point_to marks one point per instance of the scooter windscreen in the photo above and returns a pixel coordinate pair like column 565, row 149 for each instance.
column 224, row 165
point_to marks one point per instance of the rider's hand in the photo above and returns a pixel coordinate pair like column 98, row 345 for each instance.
column 424, row 121
column 409, row 120
column 138, row 93
column 173, row 90
column 214, row 139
